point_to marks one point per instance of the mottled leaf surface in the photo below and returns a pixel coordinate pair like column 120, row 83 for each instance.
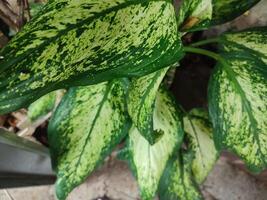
column 227, row 10
column 42, row 106
column 177, row 181
column 194, row 14
column 35, row 7
column 89, row 122
column 148, row 161
column 199, row 131
column 73, row 43
column 141, row 103
column 199, row 14
column 237, row 97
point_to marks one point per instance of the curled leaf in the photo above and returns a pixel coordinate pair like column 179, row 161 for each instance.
column 149, row 161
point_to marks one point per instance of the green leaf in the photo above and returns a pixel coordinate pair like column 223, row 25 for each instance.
column 177, row 181
column 148, row 161
column 35, row 8
column 42, row 106
column 194, row 14
column 141, row 102
column 199, row 14
column 237, row 97
column 74, row 43
column 198, row 128
column 89, row 122
column 227, row 10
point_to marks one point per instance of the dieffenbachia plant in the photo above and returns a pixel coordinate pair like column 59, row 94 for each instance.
column 112, row 57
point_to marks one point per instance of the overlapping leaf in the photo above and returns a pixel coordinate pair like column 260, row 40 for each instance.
column 149, row 161
column 42, row 106
column 177, row 181
column 85, row 128
column 237, row 96
column 194, row 14
column 141, row 103
column 199, row 131
column 73, row 43
column 35, row 7
column 227, row 10
column 199, row 14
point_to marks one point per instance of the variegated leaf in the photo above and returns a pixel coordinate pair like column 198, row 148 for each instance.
column 87, row 125
column 200, row 14
column 148, row 161
column 42, row 106
column 141, row 102
column 238, row 94
column 194, row 14
column 72, row 43
column 35, row 7
column 177, row 181
column 198, row 128
column 227, row 10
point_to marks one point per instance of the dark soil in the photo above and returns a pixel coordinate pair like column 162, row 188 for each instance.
column 190, row 84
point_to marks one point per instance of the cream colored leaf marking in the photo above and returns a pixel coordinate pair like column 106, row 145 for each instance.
column 199, row 130
column 82, row 134
column 57, row 51
column 227, row 10
column 177, row 181
column 252, row 40
column 42, row 106
column 141, row 102
column 199, row 14
column 238, row 93
column 148, row 161
column 194, row 14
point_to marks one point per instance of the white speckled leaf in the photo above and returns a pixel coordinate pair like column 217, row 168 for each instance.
column 198, row 129
column 238, row 97
column 227, row 10
column 141, row 102
column 89, row 122
column 194, row 14
column 42, row 106
column 73, row 43
column 177, row 182
column 148, row 161
column 200, row 14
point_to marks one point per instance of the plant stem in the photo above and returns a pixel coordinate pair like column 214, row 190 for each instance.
column 210, row 54
column 203, row 42
column 203, row 52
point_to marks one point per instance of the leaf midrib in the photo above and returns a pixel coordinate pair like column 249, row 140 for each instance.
column 232, row 76
column 109, row 86
column 70, row 27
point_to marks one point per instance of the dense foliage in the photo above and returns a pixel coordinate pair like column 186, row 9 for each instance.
column 112, row 56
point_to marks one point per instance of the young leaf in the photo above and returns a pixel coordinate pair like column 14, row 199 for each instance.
column 227, row 10
column 177, row 181
column 149, row 161
column 199, row 131
column 141, row 102
column 237, row 97
column 73, row 43
column 87, row 125
column 42, row 106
